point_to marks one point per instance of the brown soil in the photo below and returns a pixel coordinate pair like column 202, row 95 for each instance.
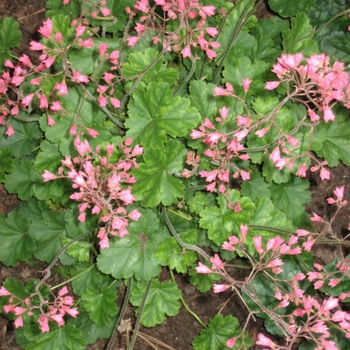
column 176, row 332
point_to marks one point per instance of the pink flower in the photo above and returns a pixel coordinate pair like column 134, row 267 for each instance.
column 264, row 341
column 339, row 192
column 231, row 342
column 329, row 304
column 63, row 291
column 258, row 244
column 325, row 174
column 218, row 288
column 47, row 176
column 114, row 102
column 186, row 51
column 246, row 84
column 217, row 263
column 93, row 133
column 27, row 100
column 328, row 114
column 302, row 170
column 132, row 40
column 210, row 53
column 320, row 328
column 201, row 268
column 134, row 215
column 271, row 85
column 18, row 322
column 105, row 11
column 46, row 29
column 4, row 292
column 261, row 132
column 212, row 31
column 9, row 132
column 80, row 78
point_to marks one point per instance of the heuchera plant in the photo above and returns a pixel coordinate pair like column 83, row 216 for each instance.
column 175, row 134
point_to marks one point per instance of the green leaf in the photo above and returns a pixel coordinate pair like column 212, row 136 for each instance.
column 16, row 244
column 161, row 301
column 202, row 97
column 337, row 46
column 64, row 338
column 48, row 158
column 291, row 197
column 220, row 329
column 243, row 68
column 203, row 281
column 100, row 304
column 6, row 162
column 222, row 221
column 170, row 253
column 10, row 37
column 86, row 277
column 47, row 233
column 138, row 61
column 285, row 8
column 299, row 38
column 156, row 182
column 135, row 251
column 91, row 331
column 331, row 141
column 118, row 10
column 24, row 140
column 154, row 113
column 80, row 250
column 256, row 187
column 198, row 202
column 19, row 181
column 54, row 7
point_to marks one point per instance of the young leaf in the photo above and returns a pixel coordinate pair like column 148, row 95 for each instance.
column 48, row 158
column 222, row 221
column 220, row 329
column 154, row 113
column 66, row 337
column 158, row 73
column 10, row 37
column 16, row 244
column 299, row 38
column 156, row 182
column 161, row 301
column 100, row 304
column 170, row 253
column 133, row 255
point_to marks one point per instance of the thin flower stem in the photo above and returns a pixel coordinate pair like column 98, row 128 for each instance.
column 186, row 306
column 138, row 320
column 73, row 278
column 113, row 337
column 47, row 271
column 180, row 241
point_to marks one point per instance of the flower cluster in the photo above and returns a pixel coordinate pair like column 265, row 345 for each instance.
column 319, row 82
column 55, row 312
column 103, row 186
column 191, row 18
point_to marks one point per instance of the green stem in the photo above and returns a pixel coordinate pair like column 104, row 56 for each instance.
column 188, row 76
column 121, row 315
column 138, row 320
column 186, row 306
column 247, row 12
column 73, row 278
column 180, row 241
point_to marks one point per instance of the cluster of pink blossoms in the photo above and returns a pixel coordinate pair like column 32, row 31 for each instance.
column 317, row 81
column 103, row 187
column 55, row 311
column 223, row 147
column 185, row 11
column 11, row 80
